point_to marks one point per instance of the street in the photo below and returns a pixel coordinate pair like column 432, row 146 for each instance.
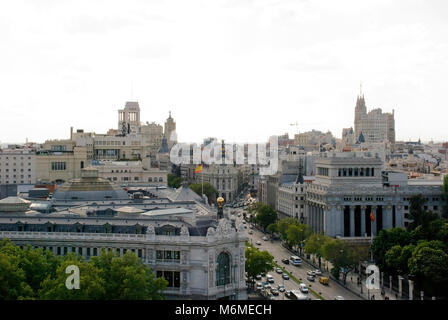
column 328, row 292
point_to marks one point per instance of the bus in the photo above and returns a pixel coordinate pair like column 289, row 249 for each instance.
column 295, row 260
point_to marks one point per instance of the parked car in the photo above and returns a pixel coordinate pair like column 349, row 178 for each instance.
column 250, row 232
column 259, row 286
column 311, row 278
column 303, row 288
column 258, row 243
column 274, row 292
column 279, row 270
column 311, row 273
column 285, row 276
column 281, row 288
column 288, row 294
column 285, row 261
column 265, row 238
column 258, row 277
column 270, row 278
column 318, row 272
column 339, row 298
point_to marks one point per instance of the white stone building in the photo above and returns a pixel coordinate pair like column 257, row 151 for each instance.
column 17, row 166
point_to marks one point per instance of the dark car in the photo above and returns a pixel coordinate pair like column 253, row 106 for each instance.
column 285, row 261
column 288, row 294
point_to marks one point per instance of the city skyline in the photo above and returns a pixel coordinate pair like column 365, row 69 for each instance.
column 239, row 71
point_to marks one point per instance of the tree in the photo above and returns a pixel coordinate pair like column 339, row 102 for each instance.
column 254, row 207
column 174, row 181
column 265, row 216
column 209, row 190
column 297, row 234
column 283, row 225
column 343, row 257
column 386, row 239
column 315, row 243
column 429, row 265
column 13, row 284
column 127, row 277
column 258, row 262
column 272, row 228
column 418, row 215
column 445, row 197
column 91, row 285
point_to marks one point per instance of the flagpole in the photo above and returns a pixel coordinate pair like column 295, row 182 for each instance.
column 202, row 176
column 371, row 239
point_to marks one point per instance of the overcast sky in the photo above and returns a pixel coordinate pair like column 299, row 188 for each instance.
column 238, row 70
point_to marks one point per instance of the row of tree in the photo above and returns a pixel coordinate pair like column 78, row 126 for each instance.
column 39, row 274
column 298, row 236
column 419, row 252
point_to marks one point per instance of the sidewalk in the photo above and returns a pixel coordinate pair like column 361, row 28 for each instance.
column 351, row 281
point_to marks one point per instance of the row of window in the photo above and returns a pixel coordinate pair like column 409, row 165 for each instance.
column 15, row 170
column 88, row 252
column 167, row 255
column 15, row 182
column 356, row 172
column 58, row 166
column 156, row 179
column 15, row 164
column 426, row 199
column 14, row 158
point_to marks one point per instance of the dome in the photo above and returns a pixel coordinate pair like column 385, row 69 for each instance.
column 89, row 187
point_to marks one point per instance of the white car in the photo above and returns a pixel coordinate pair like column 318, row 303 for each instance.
column 258, row 243
column 317, row 272
column 259, row 286
column 303, row 288
column 311, row 273
column 270, row 278
column 339, row 298
column 279, row 270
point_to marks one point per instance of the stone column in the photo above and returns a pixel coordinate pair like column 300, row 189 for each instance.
column 363, row 221
column 387, row 220
column 374, row 222
column 390, row 283
column 352, row 221
column 422, row 295
column 341, row 220
column 399, row 219
column 400, row 286
column 411, row 290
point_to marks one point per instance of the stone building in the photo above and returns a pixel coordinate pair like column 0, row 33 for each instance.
column 17, row 166
column 181, row 240
column 373, row 126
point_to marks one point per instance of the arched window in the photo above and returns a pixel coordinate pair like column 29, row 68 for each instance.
column 223, row 269
column 160, row 179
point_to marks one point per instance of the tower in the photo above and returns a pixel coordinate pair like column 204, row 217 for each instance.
column 360, row 112
column 129, row 118
column 170, row 131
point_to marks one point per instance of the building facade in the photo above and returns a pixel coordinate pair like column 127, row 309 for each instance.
column 17, row 166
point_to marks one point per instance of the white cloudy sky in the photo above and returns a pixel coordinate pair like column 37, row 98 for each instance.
column 234, row 69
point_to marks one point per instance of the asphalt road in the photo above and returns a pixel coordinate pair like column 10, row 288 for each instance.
column 279, row 252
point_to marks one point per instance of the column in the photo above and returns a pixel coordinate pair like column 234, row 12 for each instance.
column 363, row 221
column 341, row 220
column 399, row 216
column 387, row 217
column 411, row 290
column 374, row 222
column 352, row 221
column 400, row 286
column 390, row 283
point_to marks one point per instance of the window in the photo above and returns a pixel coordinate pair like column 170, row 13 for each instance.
column 173, row 278
column 223, row 269
column 58, row 166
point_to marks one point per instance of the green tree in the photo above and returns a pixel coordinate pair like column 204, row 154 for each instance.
column 283, row 225
column 315, row 243
column 297, row 234
column 254, row 207
column 91, row 285
column 265, row 216
column 343, row 257
column 272, row 228
column 209, row 190
column 13, row 284
column 386, row 239
column 174, row 181
column 429, row 265
column 127, row 277
column 258, row 262
column 418, row 215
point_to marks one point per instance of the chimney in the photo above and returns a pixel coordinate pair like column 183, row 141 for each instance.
column 71, row 133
